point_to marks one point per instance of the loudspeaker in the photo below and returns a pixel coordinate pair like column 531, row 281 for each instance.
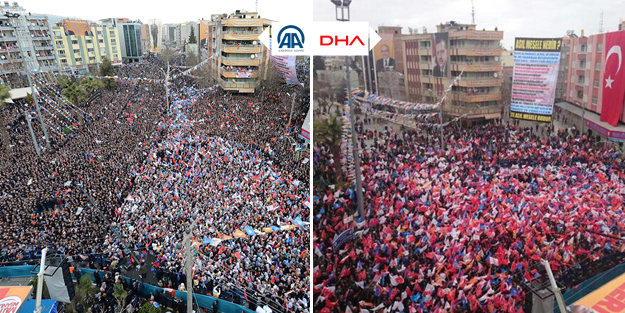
column 67, row 279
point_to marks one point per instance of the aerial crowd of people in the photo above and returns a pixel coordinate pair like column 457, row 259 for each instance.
column 140, row 171
column 463, row 229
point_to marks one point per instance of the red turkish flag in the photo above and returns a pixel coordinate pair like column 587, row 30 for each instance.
column 613, row 78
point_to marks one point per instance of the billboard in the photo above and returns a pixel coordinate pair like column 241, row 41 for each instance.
column 204, row 33
column 155, row 29
column 440, row 45
column 384, row 54
column 12, row 298
column 77, row 27
column 610, row 298
column 536, row 62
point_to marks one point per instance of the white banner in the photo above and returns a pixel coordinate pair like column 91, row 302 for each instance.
column 155, row 29
column 285, row 66
column 319, row 38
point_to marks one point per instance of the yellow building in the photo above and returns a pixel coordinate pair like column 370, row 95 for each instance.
column 85, row 53
column 242, row 59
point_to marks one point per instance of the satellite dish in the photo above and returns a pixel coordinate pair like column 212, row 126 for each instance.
column 252, row 56
column 495, row 75
column 254, row 42
column 496, row 58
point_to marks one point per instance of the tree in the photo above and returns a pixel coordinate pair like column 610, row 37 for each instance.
column 192, row 59
column 84, row 292
column 120, row 294
column 106, row 69
column 29, row 99
column 4, row 95
column 76, row 93
column 148, row 307
column 167, row 54
column 330, row 131
column 192, row 38
column 63, row 81
column 91, row 84
column 45, row 292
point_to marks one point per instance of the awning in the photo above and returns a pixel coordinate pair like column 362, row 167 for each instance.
column 18, row 93
column 593, row 121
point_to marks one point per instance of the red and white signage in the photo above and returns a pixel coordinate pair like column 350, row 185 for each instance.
column 613, row 78
column 12, row 298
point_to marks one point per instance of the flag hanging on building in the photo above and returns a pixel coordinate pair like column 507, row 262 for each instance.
column 613, row 78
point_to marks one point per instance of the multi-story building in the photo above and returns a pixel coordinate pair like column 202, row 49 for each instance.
column 26, row 44
column 185, row 31
column 584, row 87
column 131, row 41
column 475, row 54
column 564, row 66
column 85, row 53
column 242, row 59
column 171, row 34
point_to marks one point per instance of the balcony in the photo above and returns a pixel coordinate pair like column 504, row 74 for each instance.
column 482, row 97
column 60, row 46
column 240, row 37
column 62, row 55
column 240, row 61
column 41, row 38
column 477, row 35
column 240, row 87
column 6, row 28
column 46, row 57
column 44, row 48
column 477, row 66
column 244, row 22
column 239, row 74
column 488, row 112
column 8, row 39
column 476, row 51
column 424, row 65
column 37, row 28
column 479, row 82
column 240, row 49
column 425, row 51
column 244, row 32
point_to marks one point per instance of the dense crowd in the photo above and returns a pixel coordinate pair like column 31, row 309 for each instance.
column 218, row 161
column 464, row 229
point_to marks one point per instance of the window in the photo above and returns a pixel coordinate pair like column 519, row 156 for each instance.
column 74, row 42
column 59, row 43
column 90, row 50
column 596, row 83
column 594, row 100
column 57, row 34
column 583, row 48
column 115, row 56
column 426, row 58
column 76, row 51
column 78, row 60
column 582, row 63
column 598, row 66
column 92, row 59
column 426, row 72
column 599, row 47
column 61, row 51
column 580, row 79
column 112, row 33
column 64, row 61
column 113, row 41
column 100, row 40
column 580, row 94
column 89, row 41
column 99, row 33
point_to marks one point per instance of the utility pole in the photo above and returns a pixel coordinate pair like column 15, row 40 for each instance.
column 440, row 114
column 188, row 264
column 292, row 105
column 40, row 280
column 30, row 82
column 554, row 286
column 32, row 133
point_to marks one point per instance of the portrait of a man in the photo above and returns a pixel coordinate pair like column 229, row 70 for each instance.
column 440, row 55
column 385, row 63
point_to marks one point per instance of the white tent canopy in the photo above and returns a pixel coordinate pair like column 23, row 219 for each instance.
column 19, row 93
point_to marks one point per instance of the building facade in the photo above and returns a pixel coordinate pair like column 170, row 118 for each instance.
column 475, row 54
column 243, row 60
column 85, row 53
column 25, row 44
column 130, row 38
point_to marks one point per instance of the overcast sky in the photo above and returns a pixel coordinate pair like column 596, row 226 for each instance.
column 174, row 11
column 517, row 18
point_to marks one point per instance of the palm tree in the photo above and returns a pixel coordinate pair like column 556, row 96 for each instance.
column 120, row 294
column 4, row 95
column 76, row 93
column 330, row 131
column 91, row 84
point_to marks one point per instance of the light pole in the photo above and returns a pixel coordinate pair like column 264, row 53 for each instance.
column 40, row 281
column 13, row 17
column 344, row 4
column 188, row 263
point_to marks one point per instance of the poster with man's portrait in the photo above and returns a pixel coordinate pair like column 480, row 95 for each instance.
column 384, row 54
column 440, row 45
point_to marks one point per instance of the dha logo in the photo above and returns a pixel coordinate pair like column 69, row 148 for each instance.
column 291, row 39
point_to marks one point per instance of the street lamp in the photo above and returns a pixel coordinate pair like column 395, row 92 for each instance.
column 344, row 4
column 30, row 82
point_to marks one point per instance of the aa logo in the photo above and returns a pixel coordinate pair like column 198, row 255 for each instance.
column 291, row 39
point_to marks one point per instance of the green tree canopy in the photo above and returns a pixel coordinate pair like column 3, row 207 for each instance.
column 192, row 38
